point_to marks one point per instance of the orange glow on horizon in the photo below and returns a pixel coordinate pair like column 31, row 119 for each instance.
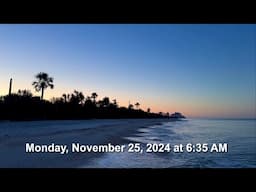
column 193, row 108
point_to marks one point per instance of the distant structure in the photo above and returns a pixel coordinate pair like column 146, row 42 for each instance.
column 177, row 115
column 10, row 87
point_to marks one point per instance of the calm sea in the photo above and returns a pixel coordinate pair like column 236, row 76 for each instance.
column 240, row 136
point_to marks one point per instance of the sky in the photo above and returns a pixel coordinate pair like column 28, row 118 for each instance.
column 201, row 70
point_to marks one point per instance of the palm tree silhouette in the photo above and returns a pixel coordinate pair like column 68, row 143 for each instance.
column 43, row 81
column 105, row 102
column 77, row 97
column 137, row 105
column 94, row 96
column 114, row 102
column 66, row 97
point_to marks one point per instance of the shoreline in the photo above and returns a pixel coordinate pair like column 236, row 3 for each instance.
column 93, row 132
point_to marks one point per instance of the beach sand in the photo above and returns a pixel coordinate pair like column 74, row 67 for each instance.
column 15, row 135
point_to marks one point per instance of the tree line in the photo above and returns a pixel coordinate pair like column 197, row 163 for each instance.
column 24, row 106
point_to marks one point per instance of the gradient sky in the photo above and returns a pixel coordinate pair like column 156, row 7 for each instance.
column 199, row 70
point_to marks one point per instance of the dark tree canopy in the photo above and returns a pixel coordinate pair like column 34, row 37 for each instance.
column 24, row 106
column 42, row 82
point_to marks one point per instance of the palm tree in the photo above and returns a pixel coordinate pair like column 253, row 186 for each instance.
column 105, row 102
column 137, row 105
column 89, row 103
column 77, row 97
column 115, row 102
column 64, row 97
column 43, row 81
column 94, row 96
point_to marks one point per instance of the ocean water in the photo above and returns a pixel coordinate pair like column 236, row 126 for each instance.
column 240, row 136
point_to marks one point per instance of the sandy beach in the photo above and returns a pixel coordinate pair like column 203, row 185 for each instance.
column 15, row 135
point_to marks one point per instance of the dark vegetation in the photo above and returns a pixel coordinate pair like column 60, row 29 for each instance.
column 24, row 106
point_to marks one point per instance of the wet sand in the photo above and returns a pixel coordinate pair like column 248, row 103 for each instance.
column 12, row 147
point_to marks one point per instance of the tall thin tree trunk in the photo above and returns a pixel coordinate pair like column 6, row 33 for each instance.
column 10, row 87
column 42, row 95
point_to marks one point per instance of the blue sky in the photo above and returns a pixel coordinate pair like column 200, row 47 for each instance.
column 200, row 70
